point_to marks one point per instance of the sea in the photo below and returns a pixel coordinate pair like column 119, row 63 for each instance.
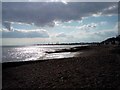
column 35, row 52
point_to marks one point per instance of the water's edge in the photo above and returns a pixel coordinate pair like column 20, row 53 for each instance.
column 33, row 53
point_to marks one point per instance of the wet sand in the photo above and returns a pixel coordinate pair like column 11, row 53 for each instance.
column 96, row 67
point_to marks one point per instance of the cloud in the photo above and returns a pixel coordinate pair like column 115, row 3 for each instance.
column 25, row 33
column 61, row 0
column 61, row 35
column 45, row 13
column 7, row 25
column 97, row 14
column 82, row 27
column 103, row 23
column 87, row 26
column 94, row 35
column 57, row 23
column 62, row 38
column 97, row 36
column 105, row 34
column 20, row 23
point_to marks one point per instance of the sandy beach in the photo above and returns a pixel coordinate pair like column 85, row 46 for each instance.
column 96, row 67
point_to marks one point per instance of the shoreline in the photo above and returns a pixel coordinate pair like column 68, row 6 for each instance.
column 66, row 52
column 73, row 49
column 98, row 67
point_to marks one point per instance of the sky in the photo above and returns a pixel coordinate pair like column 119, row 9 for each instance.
column 60, row 0
column 58, row 22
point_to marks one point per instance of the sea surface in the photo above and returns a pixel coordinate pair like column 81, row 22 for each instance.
column 28, row 53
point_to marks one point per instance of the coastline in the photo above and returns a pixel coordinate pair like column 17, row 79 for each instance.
column 77, row 49
column 96, row 67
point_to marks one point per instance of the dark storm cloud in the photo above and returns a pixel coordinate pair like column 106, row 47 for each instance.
column 7, row 25
column 44, row 13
